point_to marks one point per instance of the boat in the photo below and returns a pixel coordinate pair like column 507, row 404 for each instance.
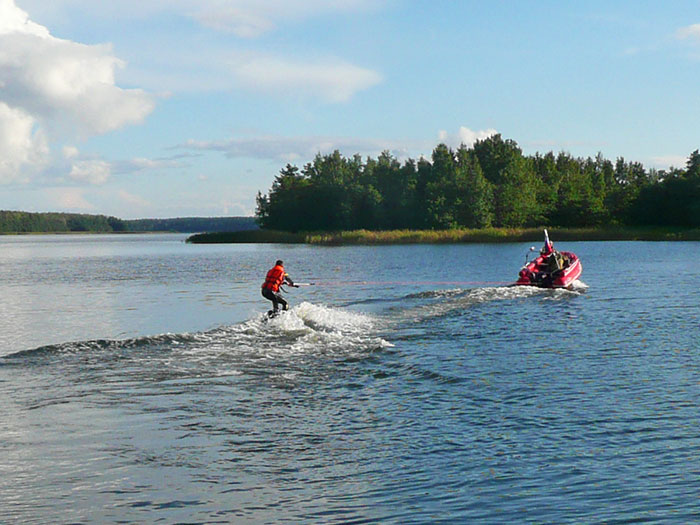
column 551, row 269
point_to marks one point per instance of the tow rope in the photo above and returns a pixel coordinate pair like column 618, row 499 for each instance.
column 405, row 283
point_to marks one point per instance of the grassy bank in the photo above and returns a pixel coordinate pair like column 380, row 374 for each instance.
column 488, row 235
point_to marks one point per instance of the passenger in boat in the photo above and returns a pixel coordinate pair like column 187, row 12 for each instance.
column 275, row 278
column 555, row 261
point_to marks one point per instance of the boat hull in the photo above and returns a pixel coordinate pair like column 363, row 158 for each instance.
column 535, row 273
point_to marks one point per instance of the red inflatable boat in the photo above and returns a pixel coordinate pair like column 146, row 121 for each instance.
column 552, row 269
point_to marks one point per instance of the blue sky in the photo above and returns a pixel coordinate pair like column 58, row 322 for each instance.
column 165, row 108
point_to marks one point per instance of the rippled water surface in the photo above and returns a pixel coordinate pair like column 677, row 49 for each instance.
column 140, row 382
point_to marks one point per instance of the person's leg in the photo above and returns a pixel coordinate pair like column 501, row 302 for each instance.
column 271, row 296
column 282, row 301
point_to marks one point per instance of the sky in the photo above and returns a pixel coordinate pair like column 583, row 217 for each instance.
column 174, row 108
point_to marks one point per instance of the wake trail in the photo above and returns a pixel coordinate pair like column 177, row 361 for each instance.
column 440, row 303
column 306, row 328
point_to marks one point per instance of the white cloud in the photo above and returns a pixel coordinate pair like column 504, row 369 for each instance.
column 691, row 32
column 55, row 88
column 464, row 136
column 469, row 137
column 14, row 20
column 70, row 152
column 332, row 81
column 95, row 171
column 90, row 171
column 21, row 143
column 62, row 81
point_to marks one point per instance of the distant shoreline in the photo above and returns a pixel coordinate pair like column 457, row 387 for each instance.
column 489, row 235
column 43, row 223
column 68, row 232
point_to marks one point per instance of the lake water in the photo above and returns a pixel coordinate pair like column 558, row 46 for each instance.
column 139, row 383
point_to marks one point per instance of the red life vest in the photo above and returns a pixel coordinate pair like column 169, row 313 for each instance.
column 274, row 278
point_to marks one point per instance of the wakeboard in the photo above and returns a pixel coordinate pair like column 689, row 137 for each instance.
column 272, row 314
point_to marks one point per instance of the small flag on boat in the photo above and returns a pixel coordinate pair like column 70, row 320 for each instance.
column 548, row 248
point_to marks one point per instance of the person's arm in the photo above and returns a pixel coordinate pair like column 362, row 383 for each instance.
column 289, row 281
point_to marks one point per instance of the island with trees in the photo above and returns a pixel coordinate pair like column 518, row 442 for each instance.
column 490, row 190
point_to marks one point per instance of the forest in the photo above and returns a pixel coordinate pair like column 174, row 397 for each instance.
column 491, row 184
column 26, row 222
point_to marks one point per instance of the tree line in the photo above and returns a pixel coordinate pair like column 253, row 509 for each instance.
column 27, row 222
column 489, row 184
column 192, row 224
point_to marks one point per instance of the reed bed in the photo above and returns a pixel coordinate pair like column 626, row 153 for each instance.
column 495, row 235
column 486, row 235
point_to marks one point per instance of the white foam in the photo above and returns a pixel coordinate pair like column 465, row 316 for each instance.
column 579, row 286
column 306, row 328
column 324, row 318
column 319, row 328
